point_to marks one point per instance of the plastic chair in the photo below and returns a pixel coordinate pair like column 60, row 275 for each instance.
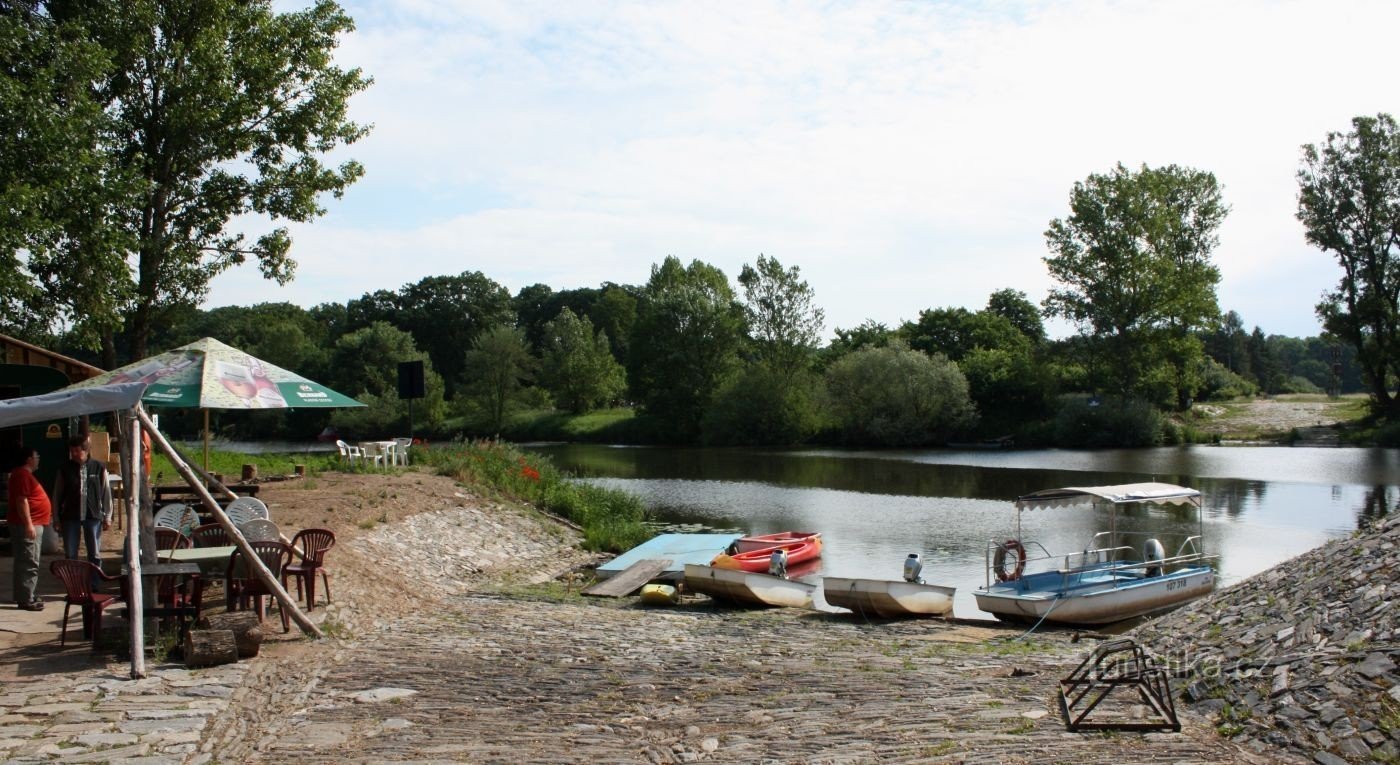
column 260, row 530
column 312, row 544
column 77, row 577
column 245, row 509
column 176, row 516
column 169, row 539
column 401, row 450
column 349, row 453
column 241, row 586
column 210, row 535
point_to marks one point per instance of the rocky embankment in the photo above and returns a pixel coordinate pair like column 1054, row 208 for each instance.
column 1302, row 656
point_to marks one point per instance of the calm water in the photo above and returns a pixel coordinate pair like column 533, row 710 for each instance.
column 1263, row 505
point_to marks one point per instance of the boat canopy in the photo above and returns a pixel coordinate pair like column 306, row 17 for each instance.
column 1128, row 493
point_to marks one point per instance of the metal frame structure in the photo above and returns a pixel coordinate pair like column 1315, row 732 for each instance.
column 1113, row 665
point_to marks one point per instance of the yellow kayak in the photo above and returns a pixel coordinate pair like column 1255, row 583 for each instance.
column 660, row 595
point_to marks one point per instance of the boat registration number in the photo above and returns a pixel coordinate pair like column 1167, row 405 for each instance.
column 1182, row 584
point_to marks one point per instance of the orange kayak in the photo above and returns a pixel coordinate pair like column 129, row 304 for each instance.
column 769, row 541
column 756, row 560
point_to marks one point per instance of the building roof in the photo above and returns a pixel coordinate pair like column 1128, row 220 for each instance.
column 16, row 351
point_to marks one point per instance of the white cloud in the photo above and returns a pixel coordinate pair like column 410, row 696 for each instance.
column 904, row 155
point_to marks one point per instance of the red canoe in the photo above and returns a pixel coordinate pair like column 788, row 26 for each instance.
column 769, row 541
column 756, row 560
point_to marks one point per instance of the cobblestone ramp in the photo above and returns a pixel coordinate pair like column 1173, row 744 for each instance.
column 493, row 680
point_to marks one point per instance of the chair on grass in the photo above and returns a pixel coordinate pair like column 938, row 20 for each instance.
column 169, row 539
column 350, row 454
column 401, row 450
column 77, row 577
column 210, row 535
column 242, row 587
column 312, row 544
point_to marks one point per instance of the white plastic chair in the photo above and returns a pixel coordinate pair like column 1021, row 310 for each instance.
column 177, row 516
column 401, row 452
column 260, row 530
column 349, row 453
column 377, row 454
column 245, row 509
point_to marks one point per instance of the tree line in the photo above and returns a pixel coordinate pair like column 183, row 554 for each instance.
column 141, row 142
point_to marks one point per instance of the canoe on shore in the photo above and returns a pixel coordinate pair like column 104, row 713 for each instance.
column 748, row 588
column 767, row 541
column 888, row 599
column 799, row 551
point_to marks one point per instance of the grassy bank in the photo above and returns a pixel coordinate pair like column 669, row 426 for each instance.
column 230, row 464
column 611, row 520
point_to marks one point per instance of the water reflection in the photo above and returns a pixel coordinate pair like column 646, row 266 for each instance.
column 1262, row 505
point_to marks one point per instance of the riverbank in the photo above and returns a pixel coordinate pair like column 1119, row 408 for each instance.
column 457, row 634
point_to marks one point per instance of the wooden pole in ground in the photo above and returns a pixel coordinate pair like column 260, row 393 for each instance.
column 131, row 450
column 255, row 564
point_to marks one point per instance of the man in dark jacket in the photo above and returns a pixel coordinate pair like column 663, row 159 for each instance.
column 82, row 500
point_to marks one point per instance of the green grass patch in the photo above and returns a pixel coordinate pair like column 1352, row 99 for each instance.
column 230, row 464
column 612, row 521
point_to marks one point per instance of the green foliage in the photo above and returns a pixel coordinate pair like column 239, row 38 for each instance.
column 956, row 332
column 579, row 368
column 684, row 343
column 896, row 396
column 1005, row 383
column 761, row 406
column 1133, row 264
column 446, row 314
column 1115, row 422
column 1349, row 204
column 210, row 112
column 365, row 366
column 498, row 366
column 1015, row 307
column 617, row 426
column 612, row 520
column 1220, row 384
column 784, row 322
column 230, row 464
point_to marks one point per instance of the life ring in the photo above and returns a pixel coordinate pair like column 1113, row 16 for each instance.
column 1011, row 574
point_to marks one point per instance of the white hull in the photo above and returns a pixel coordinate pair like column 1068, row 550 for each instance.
column 1101, row 605
column 888, row 599
column 747, row 587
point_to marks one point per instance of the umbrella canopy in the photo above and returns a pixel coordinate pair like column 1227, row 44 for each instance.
column 208, row 374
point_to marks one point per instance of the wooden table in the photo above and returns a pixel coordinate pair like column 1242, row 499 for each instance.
column 184, row 493
column 212, row 562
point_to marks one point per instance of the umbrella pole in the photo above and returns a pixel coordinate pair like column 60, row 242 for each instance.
column 206, row 441
column 255, row 563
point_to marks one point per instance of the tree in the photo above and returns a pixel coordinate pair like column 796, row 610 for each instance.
column 578, row 367
column 684, row 343
column 60, row 250
column 448, row 313
column 895, row 396
column 1349, row 204
column 498, row 366
column 216, row 117
column 365, row 365
column 1133, row 262
column 784, row 322
column 1015, row 307
column 956, row 332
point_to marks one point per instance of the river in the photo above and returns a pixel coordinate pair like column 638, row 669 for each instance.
column 1262, row 505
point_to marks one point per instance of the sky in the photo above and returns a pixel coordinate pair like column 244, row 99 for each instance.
column 903, row 155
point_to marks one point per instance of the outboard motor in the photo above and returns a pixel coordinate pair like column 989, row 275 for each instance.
column 1152, row 553
column 777, row 563
column 913, row 569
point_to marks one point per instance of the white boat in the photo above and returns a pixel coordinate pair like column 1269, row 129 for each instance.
column 1106, row 582
column 747, row 587
column 887, row 598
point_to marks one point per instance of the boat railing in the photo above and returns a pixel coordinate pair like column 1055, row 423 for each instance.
column 1101, row 561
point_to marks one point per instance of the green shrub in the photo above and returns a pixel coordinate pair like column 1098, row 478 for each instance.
column 1114, row 422
column 612, row 520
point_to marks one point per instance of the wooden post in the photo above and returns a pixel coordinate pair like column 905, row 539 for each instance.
column 255, row 563
column 250, row 472
column 299, row 471
column 131, row 452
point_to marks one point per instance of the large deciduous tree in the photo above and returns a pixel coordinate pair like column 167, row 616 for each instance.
column 1133, row 264
column 1349, row 204
column 684, row 343
column 578, row 366
column 216, row 118
column 497, row 367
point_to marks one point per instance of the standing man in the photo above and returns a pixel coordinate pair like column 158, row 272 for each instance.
column 28, row 515
column 83, row 498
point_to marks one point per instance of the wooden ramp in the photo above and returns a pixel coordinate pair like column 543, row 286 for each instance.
column 630, row 579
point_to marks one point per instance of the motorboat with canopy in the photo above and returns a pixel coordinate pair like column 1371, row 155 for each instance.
column 1111, row 579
